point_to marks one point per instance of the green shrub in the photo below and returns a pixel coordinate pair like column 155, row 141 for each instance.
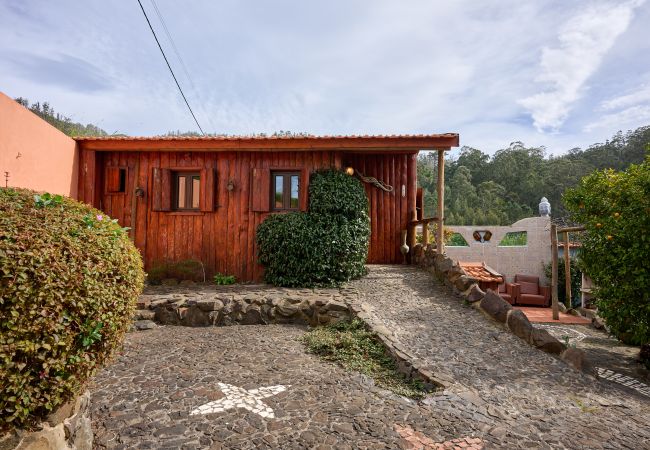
column 614, row 207
column 323, row 247
column 69, row 280
column 187, row 269
column 576, row 280
column 222, row 280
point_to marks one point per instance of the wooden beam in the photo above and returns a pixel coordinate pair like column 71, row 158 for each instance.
column 570, row 229
column 366, row 144
column 556, row 308
column 567, row 271
column 440, row 232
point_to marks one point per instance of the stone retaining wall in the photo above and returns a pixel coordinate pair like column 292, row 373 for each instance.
column 447, row 270
column 68, row 428
column 202, row 306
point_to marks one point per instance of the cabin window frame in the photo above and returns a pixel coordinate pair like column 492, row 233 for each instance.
column 123, row 180
column 286, row 190
column 189, row 190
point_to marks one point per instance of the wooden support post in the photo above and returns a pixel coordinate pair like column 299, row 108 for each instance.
column 567, row 271
column 556, row 311
column 411, row 193
column 425, row 234
column 440, row 232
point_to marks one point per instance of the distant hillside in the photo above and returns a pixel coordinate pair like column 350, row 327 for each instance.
column 63, row 123
column 506, row 187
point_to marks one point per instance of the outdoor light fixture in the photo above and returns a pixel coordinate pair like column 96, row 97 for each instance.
column 230, row 186
column 349, row 170
column 139, row 192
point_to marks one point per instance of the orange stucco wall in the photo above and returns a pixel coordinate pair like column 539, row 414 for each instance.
column 36, row 155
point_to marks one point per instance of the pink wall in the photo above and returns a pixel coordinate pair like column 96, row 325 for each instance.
column 36, row 155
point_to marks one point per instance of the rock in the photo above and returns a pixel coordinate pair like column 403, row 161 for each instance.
column 143, row 303
column 252, row 316
column 475, row 294
column 443, row 263
column 544, row 340
column 286, row 308
column 215, row 317
column 209, row 304
column 598, row 323
column 574, row 357
column 194, row 317
column 335, row 306
column 463, row 282
column 142, row 325
column 144, row 314
column 495, row 306
column 455, row 273
column 187, row 283
column 519, row 324
column 169, row 282
column 167, row 316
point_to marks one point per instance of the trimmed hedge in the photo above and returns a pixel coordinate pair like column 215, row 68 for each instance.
column 614, row 207
column 323, row 247
column 69, row 280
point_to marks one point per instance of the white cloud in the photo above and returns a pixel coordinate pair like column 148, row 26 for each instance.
column 626, row 119
column 641, row 95
column 583, row 42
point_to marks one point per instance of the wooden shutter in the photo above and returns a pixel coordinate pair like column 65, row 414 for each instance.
column 208, row 194
column 260, row 189
column 161, row 190
column 113, row 179
column 304, row 190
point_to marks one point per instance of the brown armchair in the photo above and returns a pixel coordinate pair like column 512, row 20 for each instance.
column 509, row 292
column 530, row 292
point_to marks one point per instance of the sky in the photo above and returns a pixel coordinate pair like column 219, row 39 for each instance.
column 554, row 73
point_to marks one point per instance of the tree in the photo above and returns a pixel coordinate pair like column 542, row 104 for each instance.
column 614, row 207
column 62, row 123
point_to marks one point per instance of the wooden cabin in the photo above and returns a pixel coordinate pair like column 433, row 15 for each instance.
column 202, row 198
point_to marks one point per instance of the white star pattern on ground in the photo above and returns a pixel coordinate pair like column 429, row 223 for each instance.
column 236, row 397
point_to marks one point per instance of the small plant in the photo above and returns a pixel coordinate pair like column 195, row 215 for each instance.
column 47, row 199
column 222, row 280
column 355, row 348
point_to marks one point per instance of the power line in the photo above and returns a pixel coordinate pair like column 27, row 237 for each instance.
column 171, row 40
column 182, row 62
column 169, row 66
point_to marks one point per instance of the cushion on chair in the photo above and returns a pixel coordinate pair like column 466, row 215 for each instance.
column 532, row 299
column 502, row 288
column 526, row 278
column 507, row 297
column 529, row 288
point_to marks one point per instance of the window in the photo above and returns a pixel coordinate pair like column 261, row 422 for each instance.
column 457, row 240
column 514, row 239
column 186, row 191
column 285, row 187
column 116, row 180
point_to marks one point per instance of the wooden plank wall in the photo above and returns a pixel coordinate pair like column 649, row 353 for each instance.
column 224, row 240
column 389, row 211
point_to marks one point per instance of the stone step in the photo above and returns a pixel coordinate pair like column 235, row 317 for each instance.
column 144, row 314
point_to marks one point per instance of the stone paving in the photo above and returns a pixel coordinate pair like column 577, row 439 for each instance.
column 514, row 395
column 147, row 397
column 255, row 387
column 612, row 360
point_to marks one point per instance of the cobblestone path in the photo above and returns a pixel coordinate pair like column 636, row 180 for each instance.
column 144, row 399
column 513, row 395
